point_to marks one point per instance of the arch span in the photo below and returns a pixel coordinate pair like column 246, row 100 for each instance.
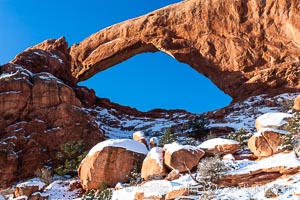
column 245, row 47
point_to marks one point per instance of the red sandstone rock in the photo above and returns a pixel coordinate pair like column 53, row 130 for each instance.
column 153, row 165
column 227, row 41
column 297, row 103
column 219, row 146
column 181, row 156
column 49, row 56
column 273, row 139
column 38, row 113
column 26, row 189
column 110, row 162
column 174, row 174
column 259, row 146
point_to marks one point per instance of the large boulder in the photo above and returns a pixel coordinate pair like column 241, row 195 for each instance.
column 181, row 157
column 297, row 103
column 272, row 120
column 259, row 146
column 266, row 142
column 110, row 162
column 219, row 146
column 153, row 165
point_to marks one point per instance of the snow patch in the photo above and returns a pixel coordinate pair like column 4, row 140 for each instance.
column 29, row 183
column 287, row 160
column 273, row 119
column 129, row 144
column 171, row 148
column 157, row 154
column 210, row 144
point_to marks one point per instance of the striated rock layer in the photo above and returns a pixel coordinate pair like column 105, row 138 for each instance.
column 245, row 47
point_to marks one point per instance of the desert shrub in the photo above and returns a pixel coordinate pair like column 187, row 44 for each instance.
column 241, row 135
column 45, row 174
column 289, row 140
column 210, row 169
column 286, row 105
column 71, row 154
column 198, row 126
column 273, row 191
column 167, row 138
column 103, row 193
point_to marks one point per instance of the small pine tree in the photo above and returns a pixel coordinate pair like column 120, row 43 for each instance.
column 71, row 155
column 289, row 140
column 134, row 176
column 198, row 126
column 241, row 135
column 167, row 138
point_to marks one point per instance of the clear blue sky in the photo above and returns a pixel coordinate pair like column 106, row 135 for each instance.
column 146, row 81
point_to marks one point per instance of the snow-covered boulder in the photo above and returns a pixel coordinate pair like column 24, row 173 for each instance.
column 272, row 120
column 219, row 146
column 110, row 161
column 266, row 142
column 28, row 188
column 153, row 142
column 153, row 165
column 181, row 156
column 140, row 137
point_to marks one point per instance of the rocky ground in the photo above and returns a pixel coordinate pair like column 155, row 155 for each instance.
column 253, row 177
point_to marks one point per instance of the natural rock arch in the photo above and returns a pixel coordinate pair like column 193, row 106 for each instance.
column 245, row 47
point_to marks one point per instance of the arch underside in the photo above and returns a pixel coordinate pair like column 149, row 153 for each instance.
column 242, row 47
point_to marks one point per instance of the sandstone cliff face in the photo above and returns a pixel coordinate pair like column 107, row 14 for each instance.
column 38, row 113
column 245, row 47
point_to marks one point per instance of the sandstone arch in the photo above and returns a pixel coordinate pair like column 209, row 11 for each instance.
column 246, row 47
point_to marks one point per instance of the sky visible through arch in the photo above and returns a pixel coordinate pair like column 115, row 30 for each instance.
column 146, row 81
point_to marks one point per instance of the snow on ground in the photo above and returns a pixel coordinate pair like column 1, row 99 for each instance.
column 289, row 187
column 117, row 125
column 287, row 160
column 244, row 114
column 210, row 144
column 128, row 144
column 176, row 147
column 32, row 183
column 273, row 119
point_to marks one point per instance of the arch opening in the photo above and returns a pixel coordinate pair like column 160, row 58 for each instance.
column 155, row 80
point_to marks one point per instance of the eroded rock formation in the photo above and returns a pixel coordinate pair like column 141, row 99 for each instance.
column 245, row 47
